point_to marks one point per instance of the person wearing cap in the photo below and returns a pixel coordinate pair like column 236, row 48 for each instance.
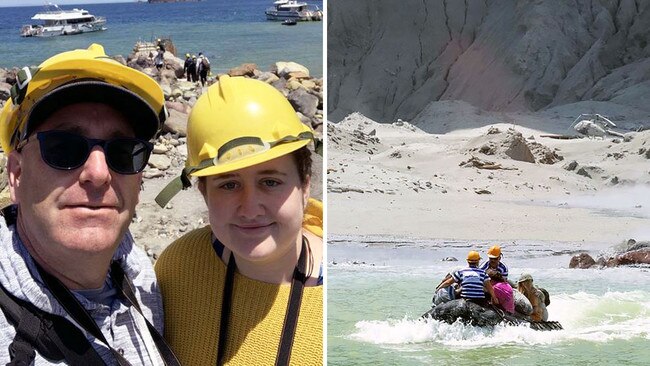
column 247, row 289
column 473, row 281
column 536, row 297
column 74, row 288
column 494, row 262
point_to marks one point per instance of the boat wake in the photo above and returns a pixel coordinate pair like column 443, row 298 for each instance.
column 585, row 317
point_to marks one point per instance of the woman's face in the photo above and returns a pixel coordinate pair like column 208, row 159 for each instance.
column 257, row 211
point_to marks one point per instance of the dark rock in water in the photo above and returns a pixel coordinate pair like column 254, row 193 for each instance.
column 449, row 259
column 635, row 253
column 582, row 260
column 640, row 256
column 468, row 312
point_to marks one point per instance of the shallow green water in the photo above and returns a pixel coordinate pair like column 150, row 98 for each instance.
column 373, row 310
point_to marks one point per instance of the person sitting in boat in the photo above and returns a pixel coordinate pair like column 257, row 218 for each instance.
column 449, row 293
column 502, row 290
column 494, row 261
column 473, row 282
column 536, row 297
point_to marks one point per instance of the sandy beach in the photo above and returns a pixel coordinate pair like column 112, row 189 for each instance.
column 398, row 179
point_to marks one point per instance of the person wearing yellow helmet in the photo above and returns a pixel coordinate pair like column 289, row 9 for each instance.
column 187, row 67
column 247, row 289
column 74, row 288
column 494, row 262
column 473, row 281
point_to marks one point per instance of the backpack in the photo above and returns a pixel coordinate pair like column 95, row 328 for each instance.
column 547, row 297
column 54, row 337
column 205, row 63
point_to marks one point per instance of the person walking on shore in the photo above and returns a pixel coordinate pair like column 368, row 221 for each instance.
column 74, row 288
column 186, row 66
column 203, row 67
column 247, row 289
column 159, row 60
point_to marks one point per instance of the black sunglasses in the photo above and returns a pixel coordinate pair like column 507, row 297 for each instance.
column 66, row 151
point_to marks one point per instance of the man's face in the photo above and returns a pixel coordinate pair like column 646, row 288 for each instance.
column 494, row 262
column 87, row 209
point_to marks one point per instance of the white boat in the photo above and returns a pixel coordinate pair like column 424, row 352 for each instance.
column 57, row 22
column 293, row 10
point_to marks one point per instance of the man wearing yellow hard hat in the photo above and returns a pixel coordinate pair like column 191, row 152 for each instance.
column 186, row 66
column 74, row 287
column 494, row 262
column 474, row 282
column 247, row 289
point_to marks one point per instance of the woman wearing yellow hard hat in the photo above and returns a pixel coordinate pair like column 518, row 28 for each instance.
column 247, row 289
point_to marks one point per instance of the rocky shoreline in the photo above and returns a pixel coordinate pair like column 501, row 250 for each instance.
column 153, row 227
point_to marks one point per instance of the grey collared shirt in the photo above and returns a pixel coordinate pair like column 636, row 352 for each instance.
column 117, row 321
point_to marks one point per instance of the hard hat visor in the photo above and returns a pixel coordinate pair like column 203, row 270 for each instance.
column 72, row 67
column 138, row 112
column 248, row 151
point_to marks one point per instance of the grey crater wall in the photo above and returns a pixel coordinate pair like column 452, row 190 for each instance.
column 389, row 59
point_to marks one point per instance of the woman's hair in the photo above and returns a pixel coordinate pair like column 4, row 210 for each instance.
column 302, row 158
column 526, row 288
column 495, row 275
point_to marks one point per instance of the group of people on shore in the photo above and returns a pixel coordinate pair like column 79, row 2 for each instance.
column 75, row 289
column 196, row 68
column 487, row 284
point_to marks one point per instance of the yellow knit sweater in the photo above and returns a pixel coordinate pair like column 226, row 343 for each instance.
column 191, row 279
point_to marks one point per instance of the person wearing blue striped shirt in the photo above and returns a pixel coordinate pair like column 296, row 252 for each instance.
column 473, row 281
column 494, row 262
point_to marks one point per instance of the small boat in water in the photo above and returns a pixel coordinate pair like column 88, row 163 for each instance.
column 289, row 22
column 293, row 10
column 58, row 22
column 483, row 316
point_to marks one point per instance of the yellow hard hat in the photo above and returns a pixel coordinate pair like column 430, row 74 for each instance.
column 193, row 56
column 76, row 76
column 187, row 55
column 237, row 123
column 473, row 256
column 494, row 251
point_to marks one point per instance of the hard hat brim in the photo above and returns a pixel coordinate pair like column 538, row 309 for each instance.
column 273, row 153
column 493, row 256
column 140, row 114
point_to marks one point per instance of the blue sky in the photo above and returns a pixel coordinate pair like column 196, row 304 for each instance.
column 4, row 3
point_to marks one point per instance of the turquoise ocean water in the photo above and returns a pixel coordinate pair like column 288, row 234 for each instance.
column 374, row 306
column 228, row 32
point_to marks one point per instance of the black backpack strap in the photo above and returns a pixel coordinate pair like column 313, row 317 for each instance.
column 124, row 283
column 52, row 336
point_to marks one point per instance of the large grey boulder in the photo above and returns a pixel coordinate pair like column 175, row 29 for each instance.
column 303, row 102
